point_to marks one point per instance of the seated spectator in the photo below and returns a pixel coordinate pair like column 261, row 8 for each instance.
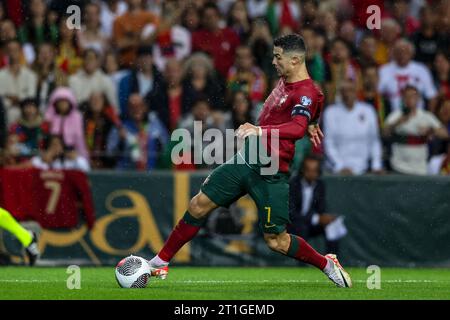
column 366, row 51
column 245, row 76
column 314, row 60
column 200, row 80
column 426, row 39
column 49, row 76
column 30, row 129
column 339, row 68
column 351, row 131
column 190, row 18
column 68, row 58
column 170, row 39
column 400, row 12
column 440, row 164
column 109, row 11
column 139, row 143
column 58, row 156
column 307, row 207
column 91, row 35
column 441, row 74
column 91, row 78
column 8, row 33
column 238, row 20
column 369, row 93
column 220, row 43
column 65, row 119
column 389, row 33
column 36, row 29
column 99, row 119
column 143, row 78
column 167, row 101
column 241, row 111
column 443, row 112
column 127, row 31
column 402, row 71
column 17, row 82
column 261, row 42
column 410, row 128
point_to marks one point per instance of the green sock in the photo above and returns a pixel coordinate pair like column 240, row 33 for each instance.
column 8, row 223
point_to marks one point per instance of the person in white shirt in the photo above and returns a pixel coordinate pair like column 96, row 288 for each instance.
column 92, row 79
column 17, row 82
column 402, row 71
column 352, row 135
column 410, row 129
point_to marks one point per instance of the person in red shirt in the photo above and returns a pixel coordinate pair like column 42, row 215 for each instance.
column 289, row 113
column 218, row 42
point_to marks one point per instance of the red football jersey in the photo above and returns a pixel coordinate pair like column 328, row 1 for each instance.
column 289, row 109
column 50, row 197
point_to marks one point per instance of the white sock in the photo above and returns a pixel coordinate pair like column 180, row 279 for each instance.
column 329, row 267
column 158, row 262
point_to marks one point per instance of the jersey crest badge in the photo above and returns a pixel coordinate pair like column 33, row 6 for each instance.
column 305, row 101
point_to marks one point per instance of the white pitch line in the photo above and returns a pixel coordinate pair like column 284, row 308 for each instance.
column 236, row 281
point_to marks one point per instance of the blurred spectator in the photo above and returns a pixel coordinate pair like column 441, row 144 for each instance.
column 245, row 76
column 111, row 68
column 169, row 38
column 308, row 11
column 366, row 50
column 355, row 147
column 440, row 164
column 400, row 12
column 388, row 35
column 347, row 32
column 327, row 20
column 307, row 205
column 410, row 128
column 340, row 67
column 191, row 18
column 65, row 119
column 283, row 14
column 91, row 78
column 403, row 71
column 443, row 112
column 142, row 79
column 369, row 93
column 99, row 119
column 441, row 74
column 37, row 29
column 426, row 39
column 30, row 129
column 8, row 33
column 238, row 20
column 68, row 49
column 314, row 60
column 138, row 145
column 218, row 42
column 17, row 82
column 127, row 31
column 58, row 156
column 241, row 111
column 200, row 80
column 109, row 11
column 168, row 100
column 49, row 76
column 91, row 35
column 260, row 41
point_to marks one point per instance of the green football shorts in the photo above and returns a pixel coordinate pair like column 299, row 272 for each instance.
column 232, row 180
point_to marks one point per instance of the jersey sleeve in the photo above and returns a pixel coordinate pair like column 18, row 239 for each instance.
column 306, row 110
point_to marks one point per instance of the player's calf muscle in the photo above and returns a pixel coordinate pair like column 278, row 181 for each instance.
column 278, row 242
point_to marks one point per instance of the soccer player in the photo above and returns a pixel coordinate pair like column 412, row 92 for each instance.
column 290, row 112
column 27, row 238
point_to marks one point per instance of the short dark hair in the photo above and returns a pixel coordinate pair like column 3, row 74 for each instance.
column 410, row 87
column 291, row 42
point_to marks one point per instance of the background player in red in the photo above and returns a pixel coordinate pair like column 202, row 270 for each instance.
column 289, row 113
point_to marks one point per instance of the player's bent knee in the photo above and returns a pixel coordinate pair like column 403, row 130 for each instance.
column 200, row 206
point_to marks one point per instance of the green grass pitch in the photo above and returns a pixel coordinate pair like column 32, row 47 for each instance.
column 225, row 283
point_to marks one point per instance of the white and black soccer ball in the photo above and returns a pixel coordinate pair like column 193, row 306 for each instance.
column 133, row 272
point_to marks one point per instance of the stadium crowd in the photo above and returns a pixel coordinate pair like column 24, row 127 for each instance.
column 108, row 95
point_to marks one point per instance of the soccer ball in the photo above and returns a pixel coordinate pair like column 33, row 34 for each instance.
column 133, row 272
